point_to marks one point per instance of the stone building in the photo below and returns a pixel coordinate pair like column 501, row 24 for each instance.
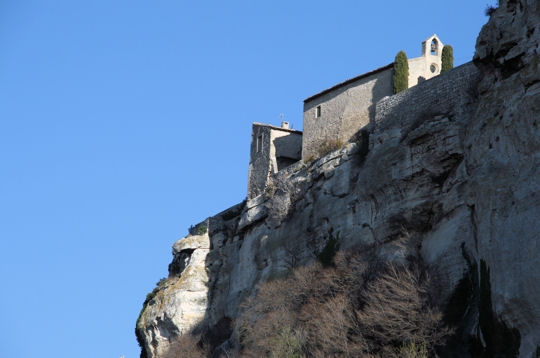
column 337, row 114
column 333, row 116
column 272, row 149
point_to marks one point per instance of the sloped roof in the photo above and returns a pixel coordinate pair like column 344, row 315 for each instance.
column 349, row 81
column 290, row 130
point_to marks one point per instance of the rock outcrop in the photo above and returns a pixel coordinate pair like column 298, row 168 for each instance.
column 452, row 164
column 503, row 164
column 179, row 303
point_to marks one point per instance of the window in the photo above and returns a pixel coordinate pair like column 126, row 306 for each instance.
column 318, row 112
column 259, row 142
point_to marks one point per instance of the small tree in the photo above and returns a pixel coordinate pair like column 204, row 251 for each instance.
column 326, row 256
column 447, row 58
column 401, row 72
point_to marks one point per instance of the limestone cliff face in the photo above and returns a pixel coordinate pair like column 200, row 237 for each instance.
column 452, row 163
column 503, row 163
column 179, row 303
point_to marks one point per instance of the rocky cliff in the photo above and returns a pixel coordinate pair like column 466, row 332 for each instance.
column 451, row 164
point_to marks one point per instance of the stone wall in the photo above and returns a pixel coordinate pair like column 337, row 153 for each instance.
column 337, row 114
column 444, row 94
column 272, row 149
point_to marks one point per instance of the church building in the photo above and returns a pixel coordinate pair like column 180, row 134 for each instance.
column 338, row 113
column 335, row 115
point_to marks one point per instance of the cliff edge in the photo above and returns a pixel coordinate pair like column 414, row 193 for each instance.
column 447, row 174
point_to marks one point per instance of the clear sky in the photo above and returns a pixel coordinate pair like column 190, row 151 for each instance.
column 122, row 123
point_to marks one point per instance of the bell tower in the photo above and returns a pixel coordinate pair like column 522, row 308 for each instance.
column 432, row 46
column 429, row 64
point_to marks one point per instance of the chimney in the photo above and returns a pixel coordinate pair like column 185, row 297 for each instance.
column 285, row 125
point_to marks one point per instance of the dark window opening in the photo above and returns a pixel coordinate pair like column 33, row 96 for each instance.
column 259, row 142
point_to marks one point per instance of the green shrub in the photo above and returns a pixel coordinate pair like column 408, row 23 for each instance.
column 199, row 229
column 447, row 58
column 414, row 350
column 138, row 329
column 326, row 256
column 286, row 344
column 401, row 72
column 202, row 229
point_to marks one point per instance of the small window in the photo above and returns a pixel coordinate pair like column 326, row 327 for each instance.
column 318, row 112
column 259, row 142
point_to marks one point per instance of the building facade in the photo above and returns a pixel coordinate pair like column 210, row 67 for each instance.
column 331, row 117
column 337, row 114
column 272, row 149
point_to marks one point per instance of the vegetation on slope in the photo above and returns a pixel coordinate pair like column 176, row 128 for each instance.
column 342, row 305
column 160, row 285
column 351, row 304
column 350, row 309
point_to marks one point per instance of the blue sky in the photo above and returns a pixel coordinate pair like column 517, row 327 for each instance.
column 122, row 123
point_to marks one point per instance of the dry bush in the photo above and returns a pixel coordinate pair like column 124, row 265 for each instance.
column 267, row 327
column 396, row 313
column 352, row 309
column 187, row 345
column 290, row 314
column 329, row 145
column 272, row 335
column 330, row 328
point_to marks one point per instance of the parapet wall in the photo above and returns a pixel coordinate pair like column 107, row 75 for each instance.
column 445, row 93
